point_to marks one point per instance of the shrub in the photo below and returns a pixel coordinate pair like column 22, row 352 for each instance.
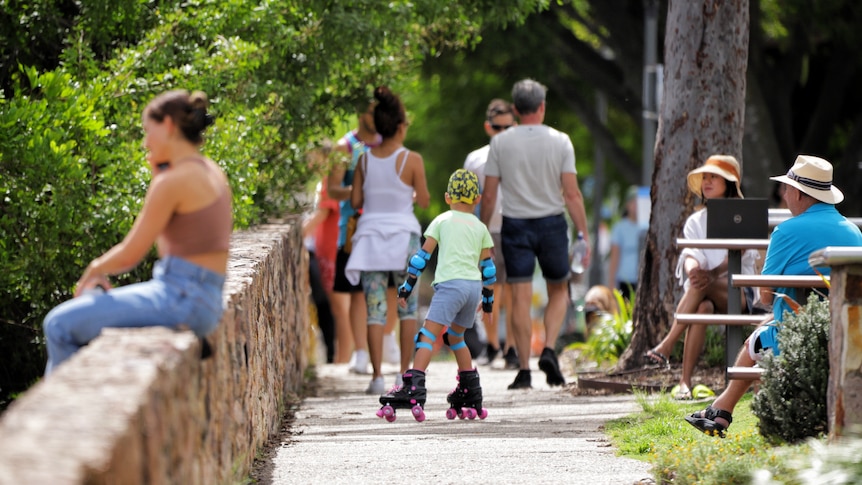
column 834, row 463
column 611, row 336
column 791, row 403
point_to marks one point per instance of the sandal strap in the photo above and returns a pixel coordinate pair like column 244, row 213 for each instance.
column 711, row 413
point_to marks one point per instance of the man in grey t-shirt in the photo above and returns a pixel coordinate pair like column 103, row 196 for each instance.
column 534, row 167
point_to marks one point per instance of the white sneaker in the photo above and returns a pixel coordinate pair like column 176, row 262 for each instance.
column 391, row 352
column 359, row 362
column 377, row 386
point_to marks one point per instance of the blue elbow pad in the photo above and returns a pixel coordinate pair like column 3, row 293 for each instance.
column 489, row 271
column 418, row 262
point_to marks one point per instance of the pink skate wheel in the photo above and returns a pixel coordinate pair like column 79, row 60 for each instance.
column 462, row 413
column 451, row 413
column 471, row 413
column 418, row 413
column 387, row 411
column 483, row 414
column 390, row 418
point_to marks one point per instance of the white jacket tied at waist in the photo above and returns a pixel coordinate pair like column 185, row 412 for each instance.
column 381, row 243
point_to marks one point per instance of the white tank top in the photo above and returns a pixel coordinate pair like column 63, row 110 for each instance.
column 383, row 188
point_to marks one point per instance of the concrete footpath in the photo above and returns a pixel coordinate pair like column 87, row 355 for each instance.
column 542, row 435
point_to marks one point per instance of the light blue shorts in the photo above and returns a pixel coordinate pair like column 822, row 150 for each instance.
column 764, row 337
column 455, row 302
column 180, row 293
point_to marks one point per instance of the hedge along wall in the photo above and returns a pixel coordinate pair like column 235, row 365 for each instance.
column 139, row 406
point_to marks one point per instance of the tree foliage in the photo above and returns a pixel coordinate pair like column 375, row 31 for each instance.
column 278, row 73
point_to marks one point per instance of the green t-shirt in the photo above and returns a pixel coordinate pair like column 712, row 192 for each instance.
column 460, row 237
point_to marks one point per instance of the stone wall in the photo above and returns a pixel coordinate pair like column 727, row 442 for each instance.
column 844, row 396
column 138, row 406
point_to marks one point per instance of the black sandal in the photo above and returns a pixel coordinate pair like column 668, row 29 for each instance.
column 655, row 357
column 705, row 421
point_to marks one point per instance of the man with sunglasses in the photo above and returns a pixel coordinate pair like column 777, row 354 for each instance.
column 498, row 118
column 534, row 167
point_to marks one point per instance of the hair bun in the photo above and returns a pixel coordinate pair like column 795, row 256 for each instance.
column 198, row 100
column 383, row 94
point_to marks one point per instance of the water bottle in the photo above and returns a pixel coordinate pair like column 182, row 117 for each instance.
column 579, row 248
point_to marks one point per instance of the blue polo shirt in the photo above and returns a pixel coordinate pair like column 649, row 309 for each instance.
column 795, row 239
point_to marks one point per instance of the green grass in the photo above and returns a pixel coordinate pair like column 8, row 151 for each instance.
column 682, row 455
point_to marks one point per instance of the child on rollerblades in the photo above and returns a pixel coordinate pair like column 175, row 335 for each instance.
column 463, row 280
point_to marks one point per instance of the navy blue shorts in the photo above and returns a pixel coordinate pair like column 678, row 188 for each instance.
column 525, row 240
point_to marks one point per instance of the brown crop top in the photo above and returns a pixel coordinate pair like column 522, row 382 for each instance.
column 206, row 230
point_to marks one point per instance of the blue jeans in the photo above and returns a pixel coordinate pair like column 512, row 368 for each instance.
column 545, row 238
column 180, row 293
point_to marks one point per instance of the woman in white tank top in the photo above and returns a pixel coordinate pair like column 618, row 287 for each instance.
column 389, row 180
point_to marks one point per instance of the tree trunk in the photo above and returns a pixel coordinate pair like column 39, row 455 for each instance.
column 702, row 113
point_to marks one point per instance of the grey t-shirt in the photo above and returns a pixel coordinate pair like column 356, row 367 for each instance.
column 529, row 160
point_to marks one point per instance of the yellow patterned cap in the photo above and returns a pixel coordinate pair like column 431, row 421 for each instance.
column 463, row 186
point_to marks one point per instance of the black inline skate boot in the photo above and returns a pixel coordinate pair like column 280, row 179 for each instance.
column 411, row 395
column 465, row 400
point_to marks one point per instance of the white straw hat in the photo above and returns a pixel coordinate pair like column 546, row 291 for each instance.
column 812, row 175
column 725, row 166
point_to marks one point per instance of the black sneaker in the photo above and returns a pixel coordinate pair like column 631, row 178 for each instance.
column 511, row 357
column 522, row 380
column 488, row 356
column 551, row 367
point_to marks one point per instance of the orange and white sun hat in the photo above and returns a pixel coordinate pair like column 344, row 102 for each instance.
column 725, row 166
column 812, row 175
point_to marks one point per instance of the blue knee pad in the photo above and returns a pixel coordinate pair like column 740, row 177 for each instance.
column 425, row 345
column 459, row 345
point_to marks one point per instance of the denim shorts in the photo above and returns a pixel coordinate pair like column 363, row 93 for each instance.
column 455, row 302
column 180, row 293
column 545, row 238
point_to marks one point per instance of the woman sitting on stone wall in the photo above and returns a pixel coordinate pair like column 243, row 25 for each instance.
column 187, row 213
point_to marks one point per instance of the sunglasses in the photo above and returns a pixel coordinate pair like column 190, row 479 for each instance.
column 500, row 127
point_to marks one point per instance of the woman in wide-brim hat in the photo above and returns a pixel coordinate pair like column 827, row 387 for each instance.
column 724, row 166
column 702, row 272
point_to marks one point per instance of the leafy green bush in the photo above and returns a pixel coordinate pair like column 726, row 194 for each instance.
column 834, row 463
column 279, row 75
column 610, row 336
column 791, row 403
